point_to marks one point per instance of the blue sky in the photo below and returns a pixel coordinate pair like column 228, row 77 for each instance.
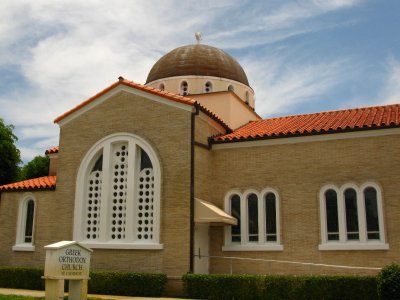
column 300, row 56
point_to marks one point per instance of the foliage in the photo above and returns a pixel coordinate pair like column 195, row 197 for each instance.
column 389, row 282
column 37, row 167
column 127, row 283
column 21, row 278
column 9, row 154
column 279, row 287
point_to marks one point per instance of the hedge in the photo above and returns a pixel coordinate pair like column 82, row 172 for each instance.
column 279, row 287
column 127, row 283
column 111, row 283
column 389, row 282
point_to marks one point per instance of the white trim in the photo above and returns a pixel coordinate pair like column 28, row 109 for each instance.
column 253, row 247
column 24, row 247
column 353, row 246
column 111, row 245
column 118, row 89
column 343, row 244
column 200, row 77
column 20, row 244
column 104, row 146
column 308, row 139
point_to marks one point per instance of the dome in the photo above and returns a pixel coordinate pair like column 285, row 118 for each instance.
column 200, row 60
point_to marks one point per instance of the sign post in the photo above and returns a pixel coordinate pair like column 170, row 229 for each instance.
column 66, row 260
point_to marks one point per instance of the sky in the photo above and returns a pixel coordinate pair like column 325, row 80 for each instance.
column 300, row 56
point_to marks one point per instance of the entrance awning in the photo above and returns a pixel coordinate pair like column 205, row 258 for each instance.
column 206, row 212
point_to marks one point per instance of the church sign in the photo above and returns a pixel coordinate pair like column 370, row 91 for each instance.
column 66, row 260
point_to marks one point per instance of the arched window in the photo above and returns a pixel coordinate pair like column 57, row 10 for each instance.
column 258, row 226
column 208, row 87
column 352, row 218
column 26, row 224
column 231, row 88
column 252, row 213
column 118, row 195
column 235, row 212
column 161, row 87
column 184, row 88
column 247, row 97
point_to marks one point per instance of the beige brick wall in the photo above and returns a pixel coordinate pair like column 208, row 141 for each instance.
column 167, row 130
column 297, row 172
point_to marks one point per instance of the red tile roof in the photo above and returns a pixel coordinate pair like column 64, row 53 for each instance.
column 52, row 150
column 376, row 117
column 122, row 81
column 41, row 183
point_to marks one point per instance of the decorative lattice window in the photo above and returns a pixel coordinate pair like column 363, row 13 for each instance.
column 208, row 87
column 118, row 205
column 184, row 88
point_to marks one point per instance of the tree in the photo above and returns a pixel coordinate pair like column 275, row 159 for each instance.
column 10, row 156
column 37, row 167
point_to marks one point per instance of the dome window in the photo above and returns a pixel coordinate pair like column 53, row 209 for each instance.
column 247, row 98
column 208, row 87
column 231, row 88
column 184, row 88
column 161, row 87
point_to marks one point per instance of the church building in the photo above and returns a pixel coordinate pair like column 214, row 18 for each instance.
column 182, row 175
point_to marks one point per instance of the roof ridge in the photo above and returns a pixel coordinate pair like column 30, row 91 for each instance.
column 331, row 111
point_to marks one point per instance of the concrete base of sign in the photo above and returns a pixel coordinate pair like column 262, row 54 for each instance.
column 55, row 289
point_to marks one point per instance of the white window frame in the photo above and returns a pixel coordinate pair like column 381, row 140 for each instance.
column 245, row 244
column 80, row 200
column 343, row 244
column 181, row 92
column 20, row 244
column 210, row 87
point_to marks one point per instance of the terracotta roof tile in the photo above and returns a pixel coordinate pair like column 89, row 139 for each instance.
column 316, row 123
column 41, row 183
column 52, row 150
column 154, row 91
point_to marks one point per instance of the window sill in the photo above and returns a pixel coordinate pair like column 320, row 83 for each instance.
column 354, row 246
column 23, row 247
column 143, row 246
column 253, row 247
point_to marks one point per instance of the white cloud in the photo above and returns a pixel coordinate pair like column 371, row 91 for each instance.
column 391, row 89
column 280, row 85
column 66, row 51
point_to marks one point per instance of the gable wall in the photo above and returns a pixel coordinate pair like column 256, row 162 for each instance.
column 167, row 130
column 297, row 172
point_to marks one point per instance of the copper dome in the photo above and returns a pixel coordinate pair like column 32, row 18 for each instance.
column 201, row 60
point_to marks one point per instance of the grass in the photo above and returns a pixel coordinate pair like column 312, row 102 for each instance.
column 14, row 297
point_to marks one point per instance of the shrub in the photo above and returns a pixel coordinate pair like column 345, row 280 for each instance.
column 21, row 278
column 127, row 283
column 111, row 283
column 389, row 282
column 279, row 287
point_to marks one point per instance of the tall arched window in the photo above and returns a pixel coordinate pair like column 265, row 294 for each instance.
column 26, row 224
column 184, row 88
column 231, row 88
column 258, row 227
column 118, row 195
column 161, row 87
column 352, row 218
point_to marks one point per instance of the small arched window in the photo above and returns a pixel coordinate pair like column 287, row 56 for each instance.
column 161, row 87
column 258, row 227
column 352, row 218
column 247, row 97
column 184, row 88
column 26, row 225
column 208, row 87
column 231, row 88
